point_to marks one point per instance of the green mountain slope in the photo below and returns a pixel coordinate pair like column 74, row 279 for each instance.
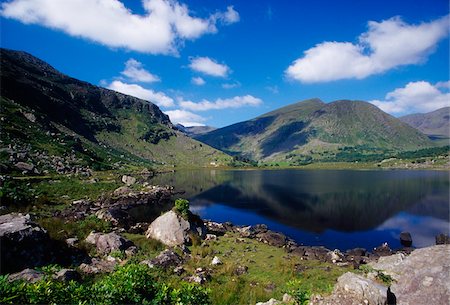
column 47, row 116
column 435, row 124
column 315, row 129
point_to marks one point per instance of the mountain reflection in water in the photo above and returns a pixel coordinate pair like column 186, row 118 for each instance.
column 337, row 209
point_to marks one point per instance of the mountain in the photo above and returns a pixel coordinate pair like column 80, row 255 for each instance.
column 435, row 124
column 47, row 116
column 194, row 131
column 314, row 129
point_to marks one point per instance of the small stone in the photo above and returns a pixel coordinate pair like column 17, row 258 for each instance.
column 71, row 241
column 442, row 239
column 24, row 166
column 178, row 270
column 67, row 275
column 216, row 261
column 131, row 251
column 210, row 237
column 240, row 270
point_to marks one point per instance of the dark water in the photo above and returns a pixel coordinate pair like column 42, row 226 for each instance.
column 337, row 209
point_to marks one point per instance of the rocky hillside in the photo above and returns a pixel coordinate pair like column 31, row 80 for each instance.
column 53, row 122
column 194, row 131
column 435, row 124
column 314, row 129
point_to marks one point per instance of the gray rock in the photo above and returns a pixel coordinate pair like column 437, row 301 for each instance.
column 270, row 302
column 121, row 191
column 30, row 116
column 272, row 238
column 72, row 241
column 165, row 259
column 29, row 275
column 423, row 277
column 128, row 180
column 406, row 239
column 335, row 256
column 27, row 167
column 92, row 238
column 173, row 230
column 353, row 289
column 23, row 243
column 67, row 275
column 240, row 270
column 106, row 243
column 99, row 266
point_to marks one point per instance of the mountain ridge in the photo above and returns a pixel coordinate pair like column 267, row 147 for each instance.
column 435, row 124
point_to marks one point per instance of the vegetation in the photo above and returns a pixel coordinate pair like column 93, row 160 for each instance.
column 182, row 207
column 128, row 284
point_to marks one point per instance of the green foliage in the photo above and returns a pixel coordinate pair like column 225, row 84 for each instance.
column 382, row 277
column 182, row 207
column 129, row 284
column 295, row 289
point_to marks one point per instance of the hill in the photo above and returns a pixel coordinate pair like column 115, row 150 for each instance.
column 314, row 129
column 58, row 123
column 435, row 124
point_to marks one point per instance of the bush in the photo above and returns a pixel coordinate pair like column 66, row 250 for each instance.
column 294, row 289
column 182, row 207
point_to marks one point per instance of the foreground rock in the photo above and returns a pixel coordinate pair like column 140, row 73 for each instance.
column 28, row 275
column 107, row 243
column 23, row 243
column 173, row 230
column 165, row 259
column 421, row 278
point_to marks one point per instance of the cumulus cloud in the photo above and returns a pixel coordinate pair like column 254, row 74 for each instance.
column 135, row 72
column 165, row 24
column 415, row 97
column 234, row 102
column 198, row 81
column 209, row 66
column 158, row 98
column 185, row 118
column 386, row 45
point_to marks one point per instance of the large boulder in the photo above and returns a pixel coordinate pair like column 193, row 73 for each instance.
column 421, row 278
column 107, row 243
column 354, row 289
column 23, row 243
column 173, row 230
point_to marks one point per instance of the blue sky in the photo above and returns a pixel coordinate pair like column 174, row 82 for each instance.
column 221, row 62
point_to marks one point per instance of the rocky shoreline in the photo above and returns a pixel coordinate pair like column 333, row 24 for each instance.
column 26, row 245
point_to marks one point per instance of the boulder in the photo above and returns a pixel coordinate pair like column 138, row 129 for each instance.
column 270, row 302
column 335, row 256
column 23, row 243
column 272, row 238
column 128, row 180
column 106, row 243
column 165, row 259
column 99, row 266
column 405, row 239
column 353, row 289
column 172, row 230
column 29, row 275
column 383, row 250
column 121, row 191
column 422, row 277
column 27, row 167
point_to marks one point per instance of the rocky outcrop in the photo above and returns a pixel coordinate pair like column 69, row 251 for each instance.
column 173, row 230
column 23, row 243
column 420, row 278
column 28, row 275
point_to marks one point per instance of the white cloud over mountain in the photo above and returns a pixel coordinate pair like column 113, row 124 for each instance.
column 158, row 98
column 386, row 45
column 234, row 102
column 209, row 66
column 134, row 71
column 415, row 97
column 165, row 25
column 185, row 118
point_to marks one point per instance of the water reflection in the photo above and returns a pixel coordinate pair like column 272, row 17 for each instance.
column 337, row 209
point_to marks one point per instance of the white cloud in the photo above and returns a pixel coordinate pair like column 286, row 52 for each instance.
column 415, row 97
column 273, row 89
column 158, row 98
column 163, row 27
column 198, row 81
column 235, row 102
column 185, row 118
column 231, row 85
column 209, row 66
column 135, row 72
column 386, row 45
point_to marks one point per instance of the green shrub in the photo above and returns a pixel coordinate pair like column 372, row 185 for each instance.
column 182, row 207
column 294, row 289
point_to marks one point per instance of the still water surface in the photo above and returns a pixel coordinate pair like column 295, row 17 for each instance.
column 337, row 209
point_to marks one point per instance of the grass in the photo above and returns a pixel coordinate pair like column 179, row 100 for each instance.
column 269, row 271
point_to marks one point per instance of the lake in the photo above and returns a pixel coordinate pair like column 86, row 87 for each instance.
column 340, row 209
